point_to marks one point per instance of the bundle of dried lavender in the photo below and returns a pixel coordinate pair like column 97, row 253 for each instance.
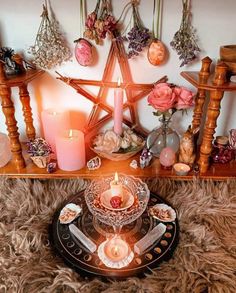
column 50, row 48
column 185, row 41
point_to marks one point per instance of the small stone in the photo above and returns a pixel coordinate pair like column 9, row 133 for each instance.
column 134, row 164
column 51, row 167
column 116, row 202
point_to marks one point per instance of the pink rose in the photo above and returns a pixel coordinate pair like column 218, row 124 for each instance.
column 184, row 98
column 162, row 97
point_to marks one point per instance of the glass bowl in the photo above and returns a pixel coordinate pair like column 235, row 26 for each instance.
column 117, row 218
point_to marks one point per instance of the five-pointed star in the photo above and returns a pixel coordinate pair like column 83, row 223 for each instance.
column 134, row 91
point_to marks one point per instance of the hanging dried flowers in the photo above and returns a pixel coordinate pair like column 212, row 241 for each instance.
column 49, row 49
column 100, row 22
column 185, row 41
column 138, row 37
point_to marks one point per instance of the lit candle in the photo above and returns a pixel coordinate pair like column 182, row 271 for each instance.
column 117, row 249
column 118, row 109
column 116, row 187
column 54, row 121
column 181, row 169
column 70, row 150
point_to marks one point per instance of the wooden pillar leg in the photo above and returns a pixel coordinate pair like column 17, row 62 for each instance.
column 209, row 130
column 25, row 100
column 204, row 74
column 9, row 112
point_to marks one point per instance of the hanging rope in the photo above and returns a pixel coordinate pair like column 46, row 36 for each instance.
column 157, row 17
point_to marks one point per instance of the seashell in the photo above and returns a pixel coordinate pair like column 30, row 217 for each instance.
column 163, row 212
column 94, row 163
column 69, row 213
column 110, row 143
column 83, row 52
column 134, row 164
column 156, row 52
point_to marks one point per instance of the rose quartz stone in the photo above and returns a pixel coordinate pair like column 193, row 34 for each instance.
column 5, row 150
column 83, row 52
column 167, row 157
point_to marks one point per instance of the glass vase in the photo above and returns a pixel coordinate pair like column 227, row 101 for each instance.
column 163, row 136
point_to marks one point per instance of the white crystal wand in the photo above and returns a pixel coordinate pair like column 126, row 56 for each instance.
column 83, row 238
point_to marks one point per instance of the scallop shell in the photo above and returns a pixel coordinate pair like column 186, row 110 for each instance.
column 70, row 212
column 165, row 210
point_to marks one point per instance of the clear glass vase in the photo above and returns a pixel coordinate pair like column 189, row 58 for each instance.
column 163, row 136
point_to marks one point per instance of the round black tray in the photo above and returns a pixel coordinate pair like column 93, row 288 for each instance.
column 82, row 260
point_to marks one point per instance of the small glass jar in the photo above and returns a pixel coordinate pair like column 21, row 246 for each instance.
column 222, row 152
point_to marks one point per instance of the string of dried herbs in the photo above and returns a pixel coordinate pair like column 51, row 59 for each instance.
column 185, row 40
column 138, row 37
column 50, row 48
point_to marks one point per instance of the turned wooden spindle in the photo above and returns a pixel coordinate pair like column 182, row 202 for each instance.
column 27, row 112
column 220, row 74
column 213, row 111
column 2, row 72
column 204, row 74
column 9, row 112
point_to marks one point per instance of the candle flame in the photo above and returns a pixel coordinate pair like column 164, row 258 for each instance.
column 116, row 251
column 54, row 113
column 119, row 82
column 70, row 133
column 116, row 177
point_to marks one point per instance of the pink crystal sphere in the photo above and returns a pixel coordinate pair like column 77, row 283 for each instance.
column 167, row 157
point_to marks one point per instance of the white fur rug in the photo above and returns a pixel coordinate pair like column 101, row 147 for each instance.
column 204, row 261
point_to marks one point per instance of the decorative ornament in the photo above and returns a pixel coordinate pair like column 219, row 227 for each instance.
column 83, row 49
column 100, row 22
column 94, row 163
column 157, row 50
column 11, row 67
column 187, row 153
column 167, row 157
column 49, row 49
column 145, row 158
column 232, row 138
column 134, row 164
column 51, row 167
column 134, row 91
column 185, row 41
column 83, row 52
column 138, row 37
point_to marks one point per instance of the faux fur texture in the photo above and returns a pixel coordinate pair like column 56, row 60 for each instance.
column 204, row 261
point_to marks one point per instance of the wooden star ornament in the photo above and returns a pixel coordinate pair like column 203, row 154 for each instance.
column 134, row 91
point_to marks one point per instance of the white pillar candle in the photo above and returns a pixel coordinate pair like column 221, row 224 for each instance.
column 118, row 109
column 116, row 187
column 54, row 121
column 70, row 150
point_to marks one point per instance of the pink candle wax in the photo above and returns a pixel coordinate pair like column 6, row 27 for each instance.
column 118, row 109
column 54, row 121
column 70, row 150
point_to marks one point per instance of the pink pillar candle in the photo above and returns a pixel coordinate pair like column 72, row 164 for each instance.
column 118, row 109
column 54, row 121
column 70, row 150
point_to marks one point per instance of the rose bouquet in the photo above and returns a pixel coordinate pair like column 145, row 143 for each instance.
column 166, row 99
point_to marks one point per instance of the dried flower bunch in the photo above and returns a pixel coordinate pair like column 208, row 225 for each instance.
column 138, row 37
column 39, row 147
column 185, row 41
column 100, row 22
column 50, row 48
column 111, row 142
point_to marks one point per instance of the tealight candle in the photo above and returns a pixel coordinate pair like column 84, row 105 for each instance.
column 181, row 169
column 70, row 150
column 116, row 187
column 116, row 249
column 54, row 121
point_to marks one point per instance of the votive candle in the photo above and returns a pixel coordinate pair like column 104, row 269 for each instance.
column 70, row 150
column 116, row 187
column 54, row 121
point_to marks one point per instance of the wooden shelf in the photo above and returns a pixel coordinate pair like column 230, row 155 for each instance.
column 215, row 172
